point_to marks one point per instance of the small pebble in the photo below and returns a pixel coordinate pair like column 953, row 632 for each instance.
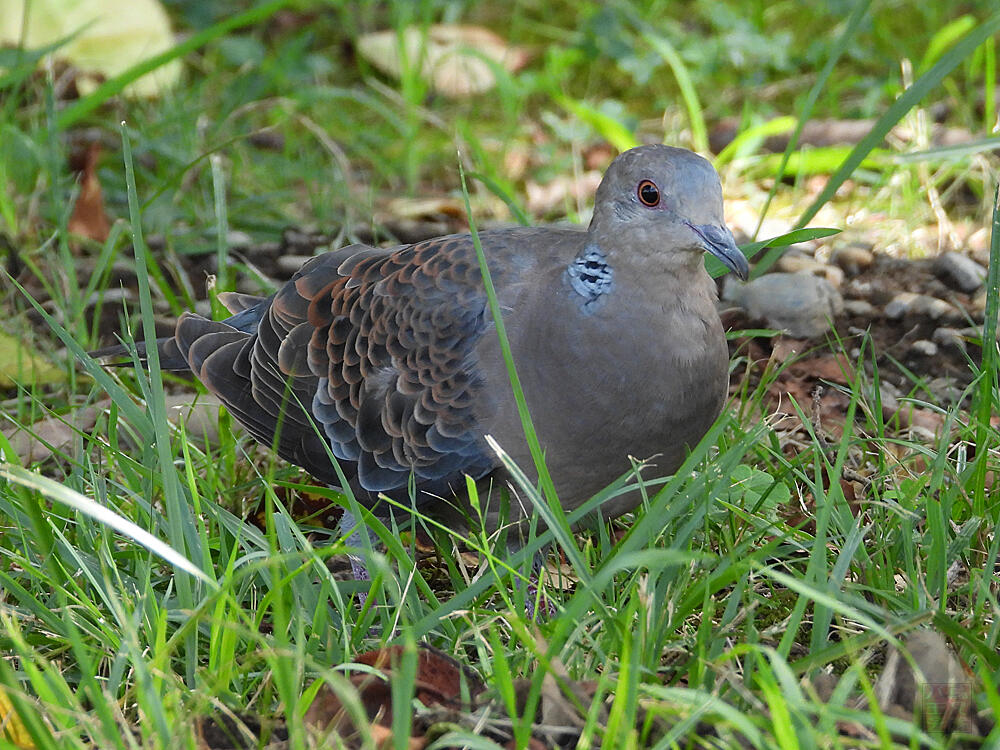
column 237, row 239
column 853, row 258
column 900, row 305
column 291, row 263
column 960, row 271
column 977, row 305
column 950, row 339
column 888, row 396
column 806, row 264
column 858, row 308
column 909, row 303
column 974, row 334
column 924, row 348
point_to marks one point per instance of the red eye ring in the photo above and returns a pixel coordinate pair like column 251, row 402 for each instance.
column 649, row 194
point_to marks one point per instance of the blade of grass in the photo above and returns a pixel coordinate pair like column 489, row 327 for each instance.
column 748, row 141
column 990, row 85
column 181, row 526
column 985, row 405
column 907, row 101
column 613, row 131
column 699, row 132
column 958, row 151
column 858, row 14
column 944, row 37
column 73, row 499
column 534, row 446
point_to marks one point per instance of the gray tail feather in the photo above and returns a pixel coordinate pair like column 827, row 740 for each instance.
column 170, row 355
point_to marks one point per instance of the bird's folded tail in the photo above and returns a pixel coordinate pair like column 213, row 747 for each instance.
column 246, row 312
column 169, row 354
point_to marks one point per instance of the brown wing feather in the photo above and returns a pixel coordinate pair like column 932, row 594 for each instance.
column 374, row 346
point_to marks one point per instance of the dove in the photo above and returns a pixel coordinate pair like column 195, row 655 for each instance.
column 387, row 359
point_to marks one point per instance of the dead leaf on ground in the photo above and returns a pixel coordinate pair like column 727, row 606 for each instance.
column 558, row 193
column 199, row 413
column 89, row 218
column 456, row 61
column 102, row 39
column 931, row 688
column 439, row 681
column 46, row 437
column 21, row 362
column 12, row 728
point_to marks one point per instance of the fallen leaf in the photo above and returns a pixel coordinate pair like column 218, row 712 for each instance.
column 46, row 437
column 199, row 414
column 11, row 726
column 560, row 192
column 88, row 218
column 934, row 690
column 425, row 208
column 456, row 61
column 438, row 682
column 21, row 363
column 103, row 38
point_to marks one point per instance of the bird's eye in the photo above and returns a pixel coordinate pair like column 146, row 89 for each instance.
column 648, row 193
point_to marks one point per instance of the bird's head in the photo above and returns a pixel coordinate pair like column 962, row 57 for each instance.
column 660, row 199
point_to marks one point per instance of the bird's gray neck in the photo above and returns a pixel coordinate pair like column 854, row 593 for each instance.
column 590, row 276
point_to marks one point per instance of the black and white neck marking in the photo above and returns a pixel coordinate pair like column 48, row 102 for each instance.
column 590, row 276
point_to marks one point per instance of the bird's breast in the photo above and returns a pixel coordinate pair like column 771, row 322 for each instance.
column 639, row 377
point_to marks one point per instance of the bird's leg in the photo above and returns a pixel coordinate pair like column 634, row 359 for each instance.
column 351, row 531
column 533, row 594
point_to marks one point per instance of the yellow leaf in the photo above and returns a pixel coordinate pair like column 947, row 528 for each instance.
column 11, row 727
column 111, row 36
column 20, row 364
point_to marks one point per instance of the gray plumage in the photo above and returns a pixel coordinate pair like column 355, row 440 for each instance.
column 392, row 353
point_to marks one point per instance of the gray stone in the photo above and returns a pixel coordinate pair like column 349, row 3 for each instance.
column 975, row 334
column 800, row 304
column 853, row 258
column 960, row 271
column 859, row 308
column 950, row 339
column 924, row 348
column 237, row 239
column 801, row 263
column 889, row 396
column 909, row 303
column 977, row 306
column 291, row 263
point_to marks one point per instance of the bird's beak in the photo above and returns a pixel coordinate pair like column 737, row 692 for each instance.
column 719, row 242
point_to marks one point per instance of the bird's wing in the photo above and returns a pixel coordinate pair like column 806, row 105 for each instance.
column 376, row 346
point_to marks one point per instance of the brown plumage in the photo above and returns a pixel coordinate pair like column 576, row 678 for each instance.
column 388, row 357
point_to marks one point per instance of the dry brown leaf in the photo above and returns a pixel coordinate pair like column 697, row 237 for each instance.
column 560, row 192
column 41, row 440
column 199, row 413
column 89, row 218
column 454, row 60
column 935, row 690
column 438, row 683
column 425, row 208
column 923, row 422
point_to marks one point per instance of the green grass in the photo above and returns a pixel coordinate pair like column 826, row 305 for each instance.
column 137, row 590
